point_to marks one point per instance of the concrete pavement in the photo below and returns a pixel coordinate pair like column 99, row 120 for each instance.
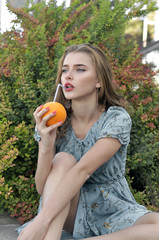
column 7, row 227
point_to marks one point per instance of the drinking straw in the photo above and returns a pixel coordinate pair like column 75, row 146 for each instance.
column 59, row 85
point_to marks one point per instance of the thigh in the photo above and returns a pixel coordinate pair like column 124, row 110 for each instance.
column 148, row 218
column 70, row 220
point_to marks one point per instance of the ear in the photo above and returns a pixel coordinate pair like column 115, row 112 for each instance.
column 98, row 85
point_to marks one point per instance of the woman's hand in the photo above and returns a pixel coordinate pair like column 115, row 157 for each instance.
column 47, row 134
column 36, row 230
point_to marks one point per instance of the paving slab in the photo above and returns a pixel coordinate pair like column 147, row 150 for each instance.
column 7, row 227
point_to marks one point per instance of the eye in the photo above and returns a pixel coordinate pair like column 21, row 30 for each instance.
column 64, row 70
column 81, row 70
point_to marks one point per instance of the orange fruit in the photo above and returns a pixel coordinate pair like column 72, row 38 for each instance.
column 60, row 113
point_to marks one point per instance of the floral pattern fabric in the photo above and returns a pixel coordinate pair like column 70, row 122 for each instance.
column 106, row 204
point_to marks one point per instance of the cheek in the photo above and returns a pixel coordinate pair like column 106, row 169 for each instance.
column 88, row 85
column 90, row 81
column 87, row 79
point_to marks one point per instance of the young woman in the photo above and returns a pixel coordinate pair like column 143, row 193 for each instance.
column 81, row 164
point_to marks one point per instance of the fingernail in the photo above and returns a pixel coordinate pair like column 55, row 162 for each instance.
column 54, row 112
column 47, row 108
column 60, row 121
column 41, row 105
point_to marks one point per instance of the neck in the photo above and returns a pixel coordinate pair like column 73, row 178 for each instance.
column 84, row 111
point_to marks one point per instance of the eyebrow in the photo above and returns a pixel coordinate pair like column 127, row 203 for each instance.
column 76, row 65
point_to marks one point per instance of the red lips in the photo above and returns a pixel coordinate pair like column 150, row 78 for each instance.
column 68, row 86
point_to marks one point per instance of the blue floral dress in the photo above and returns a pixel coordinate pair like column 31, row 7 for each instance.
column 106, row 204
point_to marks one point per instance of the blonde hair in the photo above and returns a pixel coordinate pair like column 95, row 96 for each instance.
column 107, row 94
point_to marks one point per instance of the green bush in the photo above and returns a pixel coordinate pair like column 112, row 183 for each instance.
column 28, row 64
column 136, row 81
column 24, row 201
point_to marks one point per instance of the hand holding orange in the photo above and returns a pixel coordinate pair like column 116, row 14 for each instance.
column 60, row 113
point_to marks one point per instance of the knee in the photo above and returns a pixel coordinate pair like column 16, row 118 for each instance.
column 63, row 161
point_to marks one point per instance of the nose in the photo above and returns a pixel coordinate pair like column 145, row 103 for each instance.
column 68, row 75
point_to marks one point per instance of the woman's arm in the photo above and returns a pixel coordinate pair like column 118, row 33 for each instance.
column 46, row 146
column 100, row 153
column 44, row 165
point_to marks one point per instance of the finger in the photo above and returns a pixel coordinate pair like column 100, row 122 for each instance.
column 47, row 117
column 37, row 111
column 39, row 114
column 55, row 125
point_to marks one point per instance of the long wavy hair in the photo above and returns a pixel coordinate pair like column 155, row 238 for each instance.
column 108, row 94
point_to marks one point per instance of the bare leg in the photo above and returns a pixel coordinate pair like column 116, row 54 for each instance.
column 70, row 220
column 61, row 165
column 145, row 228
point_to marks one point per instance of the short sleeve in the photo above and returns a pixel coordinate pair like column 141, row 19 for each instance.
column 37, row 135
column 116, row 124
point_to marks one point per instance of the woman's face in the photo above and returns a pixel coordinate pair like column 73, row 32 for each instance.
column 79, row 77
